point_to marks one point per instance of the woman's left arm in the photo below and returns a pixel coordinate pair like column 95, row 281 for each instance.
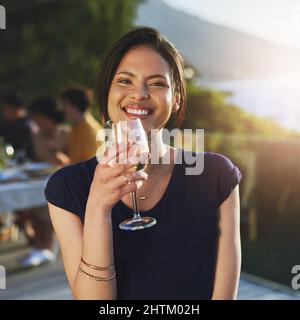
column 228, row 263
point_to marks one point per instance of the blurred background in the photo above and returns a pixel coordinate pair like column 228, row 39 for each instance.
column 243, row 74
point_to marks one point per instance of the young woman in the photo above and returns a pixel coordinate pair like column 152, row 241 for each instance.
column 193, row 252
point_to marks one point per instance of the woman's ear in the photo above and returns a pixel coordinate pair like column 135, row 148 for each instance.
column 176, row 102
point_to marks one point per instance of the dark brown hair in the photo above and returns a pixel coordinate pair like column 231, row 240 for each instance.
column 12, row 100
column 78, row 97
column 142, row 36
column 46, row 107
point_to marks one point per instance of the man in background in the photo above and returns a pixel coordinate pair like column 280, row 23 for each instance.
column 81, row 142
column 16, row 127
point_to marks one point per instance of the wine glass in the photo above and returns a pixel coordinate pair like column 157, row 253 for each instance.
column 9, row 156
column 132, row 131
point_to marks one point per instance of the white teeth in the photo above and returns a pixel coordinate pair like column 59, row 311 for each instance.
column 137, row 112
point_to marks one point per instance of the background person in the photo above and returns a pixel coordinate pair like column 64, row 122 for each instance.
column 53, row 134
column 47, row 142
column 81, row 142
column 16, row 127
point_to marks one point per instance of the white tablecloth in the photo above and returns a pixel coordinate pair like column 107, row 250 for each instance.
column 22, row 195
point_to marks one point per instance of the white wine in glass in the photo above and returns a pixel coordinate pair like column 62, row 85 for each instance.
column 123, row 132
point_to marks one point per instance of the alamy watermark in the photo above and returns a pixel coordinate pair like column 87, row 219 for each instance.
column 295, row 283
column 2, row 17
column 187, row 139
column 2, row 278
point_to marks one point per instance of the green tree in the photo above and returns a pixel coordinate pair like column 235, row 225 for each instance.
column 208, row 109
column 50, row 44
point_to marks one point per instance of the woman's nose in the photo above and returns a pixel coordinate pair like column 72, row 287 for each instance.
column 140, row 92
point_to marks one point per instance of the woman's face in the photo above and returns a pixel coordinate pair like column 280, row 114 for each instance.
column 142, row 88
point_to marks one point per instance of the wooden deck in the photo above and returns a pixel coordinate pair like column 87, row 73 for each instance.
column 49, row 282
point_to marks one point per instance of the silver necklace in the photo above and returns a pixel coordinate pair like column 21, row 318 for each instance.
column 145, row 197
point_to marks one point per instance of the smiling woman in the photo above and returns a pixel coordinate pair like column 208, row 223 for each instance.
column 193, row 252
column 145, row 92
column 141, row 65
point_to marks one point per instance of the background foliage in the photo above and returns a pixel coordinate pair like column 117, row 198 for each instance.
column 50, row 44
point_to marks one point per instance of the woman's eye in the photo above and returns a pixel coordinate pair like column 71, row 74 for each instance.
column 124, row 81
column 158, row 84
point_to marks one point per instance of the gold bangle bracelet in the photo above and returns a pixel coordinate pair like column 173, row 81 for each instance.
column 96, row 278
column 96, row 267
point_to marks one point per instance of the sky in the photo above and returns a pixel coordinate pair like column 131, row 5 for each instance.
column 275, row 20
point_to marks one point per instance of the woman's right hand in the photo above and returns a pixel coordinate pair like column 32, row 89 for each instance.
column 111, row 181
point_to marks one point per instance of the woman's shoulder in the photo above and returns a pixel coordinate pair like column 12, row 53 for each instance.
column 207, row 161
column 76, row 171
column 218, row 161
column 213, row 172
column 69, row 186
column 226, row 175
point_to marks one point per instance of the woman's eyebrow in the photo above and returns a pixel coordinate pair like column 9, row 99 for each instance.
column 149, row 77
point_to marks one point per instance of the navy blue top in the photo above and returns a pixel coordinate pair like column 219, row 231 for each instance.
column 175, row 259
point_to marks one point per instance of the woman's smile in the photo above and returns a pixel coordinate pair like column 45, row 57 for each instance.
column 134, row 111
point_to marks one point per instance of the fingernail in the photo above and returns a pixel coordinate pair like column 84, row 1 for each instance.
column 139, row 184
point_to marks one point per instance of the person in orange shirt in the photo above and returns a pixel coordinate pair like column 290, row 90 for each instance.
column 81, row 143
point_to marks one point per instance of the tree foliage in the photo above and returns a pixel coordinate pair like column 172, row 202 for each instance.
column 49, row 44
column 208, row 109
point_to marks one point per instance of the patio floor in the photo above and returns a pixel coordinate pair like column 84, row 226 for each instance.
column 49, row 281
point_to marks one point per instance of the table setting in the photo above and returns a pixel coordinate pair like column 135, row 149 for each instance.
column 22, row 185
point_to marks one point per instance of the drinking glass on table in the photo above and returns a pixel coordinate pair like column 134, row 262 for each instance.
column 132, row 131
column 9, row 156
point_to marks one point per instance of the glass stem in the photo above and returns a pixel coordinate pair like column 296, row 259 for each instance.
column 136, row 213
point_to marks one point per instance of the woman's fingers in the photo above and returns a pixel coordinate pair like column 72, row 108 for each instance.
column 132, row 187
column 115, row 166
column 124, row 154
column 116, row 153
column 106, row 173
column 112, row 152
column 113, row 175
column 128, row 178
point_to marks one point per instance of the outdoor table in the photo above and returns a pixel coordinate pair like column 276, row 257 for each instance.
column 22, row 195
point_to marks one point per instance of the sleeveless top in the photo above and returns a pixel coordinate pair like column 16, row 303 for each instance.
column 175, row 259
